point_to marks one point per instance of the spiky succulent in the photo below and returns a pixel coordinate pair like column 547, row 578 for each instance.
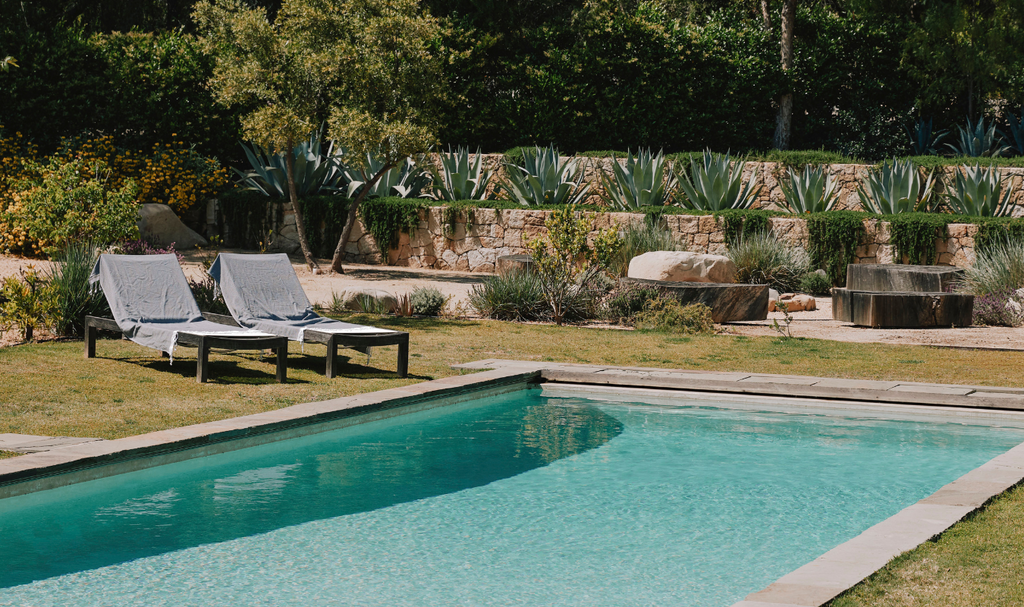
column 405, row 181
column 461, row 178
column 976, row 141
column 810, row 191
column 923, row 140
column 895, row 187
column 978, row 191
column 545, row 178
column 646, row 180
column 715, row 185
column 316, row 170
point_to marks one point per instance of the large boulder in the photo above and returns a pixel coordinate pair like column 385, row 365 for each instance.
column 159, row 226
column 682, row 266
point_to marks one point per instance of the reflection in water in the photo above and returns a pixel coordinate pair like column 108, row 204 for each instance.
column 253, row 491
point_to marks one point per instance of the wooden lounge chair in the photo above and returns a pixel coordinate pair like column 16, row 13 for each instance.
column 263, row 293
column 153, row 306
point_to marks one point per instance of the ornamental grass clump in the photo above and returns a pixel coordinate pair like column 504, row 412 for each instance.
column 978, row 191
column 762, row 258
column 668, row 315
column 714, row 184
column 996, row 269
column 896, row 187
column 644, row 180
column 513, row 295
column 73, row 296
column 809, row 191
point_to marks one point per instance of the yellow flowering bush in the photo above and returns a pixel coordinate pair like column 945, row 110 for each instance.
column 171, row 173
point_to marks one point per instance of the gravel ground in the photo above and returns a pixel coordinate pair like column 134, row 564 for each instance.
column 816, row 324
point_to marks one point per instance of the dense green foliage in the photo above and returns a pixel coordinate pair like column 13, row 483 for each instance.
column 386, row 218
column 914, row 234
column 832, row 241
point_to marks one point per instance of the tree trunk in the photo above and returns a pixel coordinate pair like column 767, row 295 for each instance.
column 350, row 220
column 784, row 121
column 766, row 16
column 293, row 194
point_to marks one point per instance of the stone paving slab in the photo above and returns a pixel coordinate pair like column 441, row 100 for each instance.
column 30, row 443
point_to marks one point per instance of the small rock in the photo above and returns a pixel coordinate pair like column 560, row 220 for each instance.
column 794, row 303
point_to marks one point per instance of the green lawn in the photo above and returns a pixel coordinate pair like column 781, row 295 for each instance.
column 50, row 389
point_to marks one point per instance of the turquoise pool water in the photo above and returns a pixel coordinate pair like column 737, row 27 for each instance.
column 520, row 499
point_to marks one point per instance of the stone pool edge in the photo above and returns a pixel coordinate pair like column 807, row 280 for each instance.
column 819, row 582
column 93, row 460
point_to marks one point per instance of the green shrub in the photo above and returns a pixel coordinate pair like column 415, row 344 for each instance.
column 639, row 238
column 914, row 235
column 997, row 269
column 627, row 300
column 386, row 218
column 666, row 314
column 832, row 241
column 63, row 205
column 764, row 259
column 816, row 284
column 73, row 296
column 513, row 295
column 28, row 302
column 427, row 301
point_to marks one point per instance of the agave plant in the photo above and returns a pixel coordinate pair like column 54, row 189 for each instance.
column 315, row 170
column 713, row 185
column 923, row 141
column 643, row 181
column 976, row 141
column 1016, row 138
column 978, row 192
column 810, row 191
column 545, row 178
column 406, row 181
column 895, row 188
column 461, row 178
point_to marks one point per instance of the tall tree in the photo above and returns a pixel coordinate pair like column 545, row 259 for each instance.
column 282, row 69
column 784, row 120
column 367, row 67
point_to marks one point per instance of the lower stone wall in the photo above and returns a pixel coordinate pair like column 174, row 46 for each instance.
column 482, row 235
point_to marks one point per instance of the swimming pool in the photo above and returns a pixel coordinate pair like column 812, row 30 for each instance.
column 524, row 498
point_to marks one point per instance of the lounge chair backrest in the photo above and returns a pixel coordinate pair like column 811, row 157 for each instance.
column 145, row 289
column 261, row 287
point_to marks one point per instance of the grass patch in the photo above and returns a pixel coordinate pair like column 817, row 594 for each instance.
column 976, row 562
column 7, row 454
column 49, row 389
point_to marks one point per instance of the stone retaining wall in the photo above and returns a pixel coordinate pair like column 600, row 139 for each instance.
column 483, row 235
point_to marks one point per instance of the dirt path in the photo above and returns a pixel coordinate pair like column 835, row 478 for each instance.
column 817, row 324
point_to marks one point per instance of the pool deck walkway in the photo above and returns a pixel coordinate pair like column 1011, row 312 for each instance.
column 54, row 464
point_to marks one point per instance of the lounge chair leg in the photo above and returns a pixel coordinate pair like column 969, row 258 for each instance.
column 282, row 363
column 202, row 362
column 403, row 357
column 90, row 340
column 332, row 357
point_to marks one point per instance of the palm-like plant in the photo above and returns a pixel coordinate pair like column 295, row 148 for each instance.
column 978, row 192
column 643, row 181
column 545, row 178
column 405, row 181
column 924, row 141
column 714, row 185
column 810, row 191
column 977, row 141
column 461, row 178
column 315, row 170
column 895, row 187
